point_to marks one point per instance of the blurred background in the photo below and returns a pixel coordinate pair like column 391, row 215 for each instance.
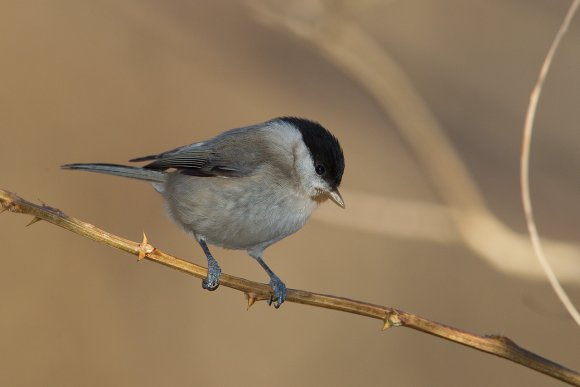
column 428, row 99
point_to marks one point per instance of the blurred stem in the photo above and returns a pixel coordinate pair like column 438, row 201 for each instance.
column 525, row 166
column 495, row 345
column 333, row 29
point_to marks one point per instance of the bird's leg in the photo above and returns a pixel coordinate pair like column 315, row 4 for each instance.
column 275, row 282
column 212, row 281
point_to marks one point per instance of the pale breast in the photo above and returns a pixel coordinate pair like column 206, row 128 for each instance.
column 236, row 216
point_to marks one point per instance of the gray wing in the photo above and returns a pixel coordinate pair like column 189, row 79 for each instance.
column 234, row 153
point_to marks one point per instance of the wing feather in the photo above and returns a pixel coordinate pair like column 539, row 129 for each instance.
column 230, row 154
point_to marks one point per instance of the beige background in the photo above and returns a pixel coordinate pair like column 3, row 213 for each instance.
column 85, row 81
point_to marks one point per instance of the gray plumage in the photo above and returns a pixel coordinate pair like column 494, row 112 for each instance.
column 246, row 188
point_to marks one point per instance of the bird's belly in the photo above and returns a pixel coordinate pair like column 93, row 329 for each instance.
column 250, row 227
column 240, row 217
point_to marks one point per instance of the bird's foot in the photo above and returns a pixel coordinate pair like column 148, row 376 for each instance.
column 212, row 282
column 279, row 292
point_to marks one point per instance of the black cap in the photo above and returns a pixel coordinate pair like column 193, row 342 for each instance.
column 324, row 148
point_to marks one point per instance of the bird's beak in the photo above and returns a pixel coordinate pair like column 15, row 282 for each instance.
column 335, row 196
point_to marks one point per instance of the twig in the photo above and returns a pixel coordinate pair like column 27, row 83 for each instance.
column 495, row 345
column 525, row 166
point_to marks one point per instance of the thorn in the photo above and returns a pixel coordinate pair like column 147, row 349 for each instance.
column 387, row 324
column 251, row 297
column 144, row 248
column 391, row 320
column 34, row 220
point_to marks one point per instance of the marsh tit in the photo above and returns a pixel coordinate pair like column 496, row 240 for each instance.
column 246, row 188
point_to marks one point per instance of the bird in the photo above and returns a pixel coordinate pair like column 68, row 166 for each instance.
column 244, row 189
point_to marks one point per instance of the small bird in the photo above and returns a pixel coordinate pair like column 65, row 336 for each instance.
column 244, row 189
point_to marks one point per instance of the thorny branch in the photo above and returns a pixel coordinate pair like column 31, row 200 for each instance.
column 495, row 345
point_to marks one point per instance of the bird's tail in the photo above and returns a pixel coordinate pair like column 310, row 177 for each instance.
column 121, row 170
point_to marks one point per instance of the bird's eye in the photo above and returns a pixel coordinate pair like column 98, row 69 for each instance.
column 320, row 169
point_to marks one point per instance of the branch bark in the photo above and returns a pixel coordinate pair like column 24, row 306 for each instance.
column 496, row 345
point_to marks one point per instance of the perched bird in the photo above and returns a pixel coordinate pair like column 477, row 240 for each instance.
column 246, row 188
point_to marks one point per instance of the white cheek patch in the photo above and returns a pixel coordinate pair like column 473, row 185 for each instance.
column 310, row 181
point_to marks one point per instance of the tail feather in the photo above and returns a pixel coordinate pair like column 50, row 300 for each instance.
column 121, row 170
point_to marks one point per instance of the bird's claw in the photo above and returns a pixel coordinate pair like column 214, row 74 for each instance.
column 210, row 285
column 212, row 282
column 278, row 292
